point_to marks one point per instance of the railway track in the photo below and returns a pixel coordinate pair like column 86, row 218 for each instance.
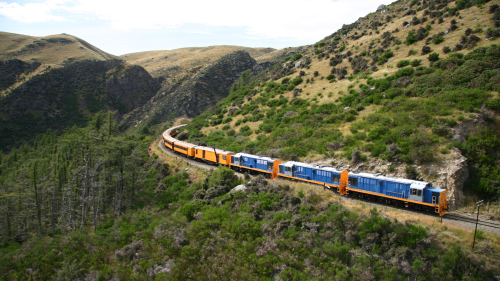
column 491, row 224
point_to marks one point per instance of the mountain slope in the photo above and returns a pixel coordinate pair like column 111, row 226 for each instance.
column 58, row 81
column 172, row 63
column 51, row 50
column 389, row 93
column 194, row 95
column 66, row 96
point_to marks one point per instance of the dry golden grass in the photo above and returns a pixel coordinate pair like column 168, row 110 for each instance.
column 49, row 53
column 185, row 59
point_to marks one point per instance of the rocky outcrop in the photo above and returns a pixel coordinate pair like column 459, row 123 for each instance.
column 472, row 126
column 195, row 95
column 452, row 177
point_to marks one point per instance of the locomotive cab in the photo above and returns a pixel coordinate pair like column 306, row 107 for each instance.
column 417, row 190
column 288, row 170
column 236, row 159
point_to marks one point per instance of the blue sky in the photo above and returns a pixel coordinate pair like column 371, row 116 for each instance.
column 121, row 27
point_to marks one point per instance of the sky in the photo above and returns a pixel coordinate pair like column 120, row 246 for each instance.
column 122, row 27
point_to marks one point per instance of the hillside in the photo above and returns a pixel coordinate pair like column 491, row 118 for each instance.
column 93, row 202
column 194, row 95
column 50, row 50
column 172, row 64
column 398, row 92
column 194, row 79
column 58, row 81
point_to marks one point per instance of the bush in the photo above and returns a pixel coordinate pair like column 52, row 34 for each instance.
column 403, row 63
column 411, row 38
column 296, row 57
column 433, row 57
column 446, row 49
column 438, row 40
column 330, row 77
column 415, row 63
column 426, row 50
column 297, row 80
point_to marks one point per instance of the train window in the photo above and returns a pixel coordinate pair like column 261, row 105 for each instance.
column 413, row 192
column 419, row 193
column 223, row 157
column 353, row 181
column 335, row 178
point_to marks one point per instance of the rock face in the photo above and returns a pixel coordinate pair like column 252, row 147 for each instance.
column 452, row 177
column 381, row 7
column 472, row 126
column 66, row 96
column 195, row 95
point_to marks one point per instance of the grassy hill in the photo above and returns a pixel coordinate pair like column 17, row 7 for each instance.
column 51, row 50
column 395, row 92
column 58, row 81
column 172, row 63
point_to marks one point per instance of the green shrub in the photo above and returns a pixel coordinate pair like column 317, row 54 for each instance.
column 415, row 62
column 297, row 80
column 403, row 63
column 296, row 57
column 433, row 57
column 438, row 40
column 411, row 38
column 330, row 77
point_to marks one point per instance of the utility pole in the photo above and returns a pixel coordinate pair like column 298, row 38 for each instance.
column 479, row 204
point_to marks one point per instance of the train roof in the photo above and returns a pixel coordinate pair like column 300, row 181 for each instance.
column 323, row 168
column 167, row 136
column 255, row 156
column 383, row 177
column 219, row 151
column 358, row 174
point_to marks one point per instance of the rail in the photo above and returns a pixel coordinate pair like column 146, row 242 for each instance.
column 472, row 220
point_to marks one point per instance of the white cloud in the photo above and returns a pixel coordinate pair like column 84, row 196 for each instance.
column 201, row 32
column 308, row 20
column 32, row 12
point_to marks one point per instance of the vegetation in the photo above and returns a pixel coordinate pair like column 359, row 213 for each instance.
column 410, row 101
column 262, row 232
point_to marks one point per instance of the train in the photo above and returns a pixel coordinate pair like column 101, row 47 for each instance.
column 400, row 192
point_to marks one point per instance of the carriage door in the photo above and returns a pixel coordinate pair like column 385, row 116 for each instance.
column 203, row 153
column 237, row 160
column 435, row 198
column 289, row 170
